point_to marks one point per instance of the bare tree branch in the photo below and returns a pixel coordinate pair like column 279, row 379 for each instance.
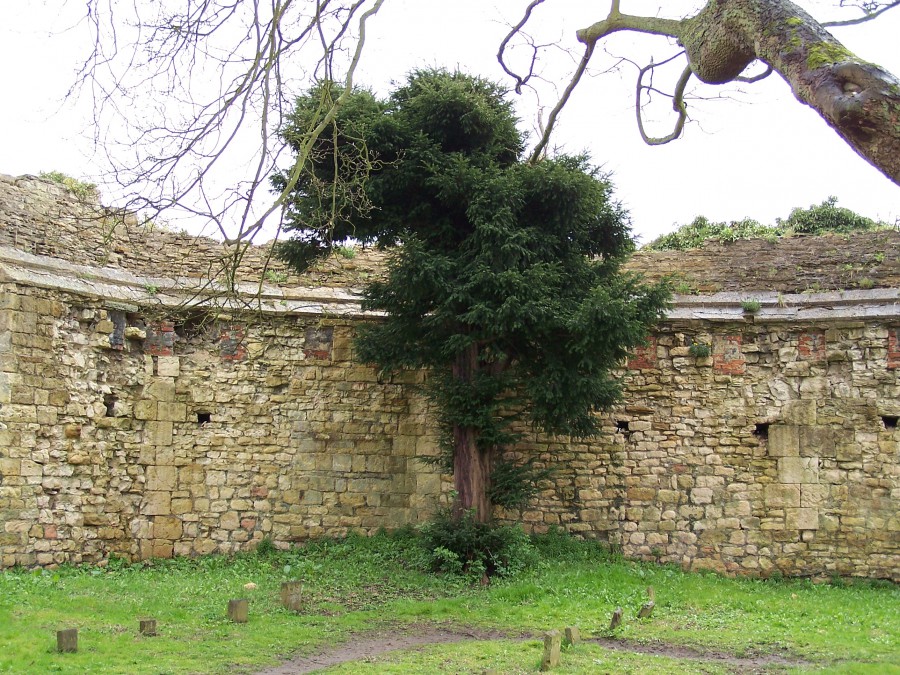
column 539, row 149
column 516, row 30
column 182, row 84
column 871, row 11
column 750, row 79
column 678, row 105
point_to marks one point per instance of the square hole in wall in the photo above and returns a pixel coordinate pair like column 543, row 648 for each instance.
column 761, row 430
column 622, row 425
column 890, row 421
column 203, row 418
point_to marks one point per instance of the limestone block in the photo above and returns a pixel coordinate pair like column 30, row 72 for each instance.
column 30, row 468
column 157, row 504
column 229, row 521
column 341, row 462
column 814, row 387
column 701, row 496
column 161, row 390
column 172, row 412
column 145, row 409
column 800, row 412
column 801, row 519
column 798, row 469
column 166, row 527
column 778, row 496
column 161, row 478
column 168, row 366
column 784, row 440
column 158, row 433
column 641, row 494
column 10, row 467
column 817, row 441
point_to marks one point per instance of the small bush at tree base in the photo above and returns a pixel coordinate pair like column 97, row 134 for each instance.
column 466, row 546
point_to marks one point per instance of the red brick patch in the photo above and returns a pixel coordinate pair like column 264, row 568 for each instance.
column 231, row 344
column 812, row 346
column 727, row 355
column 160, row 339
column 644, row 357
column 893, row 355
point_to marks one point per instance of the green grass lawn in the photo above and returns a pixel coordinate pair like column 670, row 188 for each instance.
column 365, row 584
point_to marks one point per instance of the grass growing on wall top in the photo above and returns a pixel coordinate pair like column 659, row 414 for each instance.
column 363, row 584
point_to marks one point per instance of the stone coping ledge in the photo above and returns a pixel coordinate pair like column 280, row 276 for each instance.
column 875, row 303
column 130, row 291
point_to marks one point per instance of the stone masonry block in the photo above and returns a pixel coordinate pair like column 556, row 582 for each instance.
column 172, row 412
column 798, row 470
column 158, row 433
column 781, row 496
column 801, row 519
column 814, row 495
column 145, row 410
column 800, row 412
column 161, row 478
column 161, row 390
column 166, row 527
column 817, row 441
column 784, row 440
column 168, row 366
column 10, row 467
column 157, row 504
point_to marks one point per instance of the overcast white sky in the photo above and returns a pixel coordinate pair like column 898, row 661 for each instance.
column 756, row 154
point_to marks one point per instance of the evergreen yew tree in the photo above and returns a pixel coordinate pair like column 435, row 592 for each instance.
column 505, row 283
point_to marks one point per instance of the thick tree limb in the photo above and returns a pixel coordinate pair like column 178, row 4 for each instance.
column 859, row 100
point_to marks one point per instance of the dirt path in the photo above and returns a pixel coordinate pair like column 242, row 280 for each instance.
column 367, row 645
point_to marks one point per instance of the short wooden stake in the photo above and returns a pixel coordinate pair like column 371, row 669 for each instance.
column 573, row 635
column 67, row 640
column 238, row 610
column 651, row 593
column 646, row 610
column 292, row 595
column 147, row 627
column 552, row 643
column 616, row 619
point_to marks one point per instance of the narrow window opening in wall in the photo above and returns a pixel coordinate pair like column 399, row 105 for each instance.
column 203, row 418
column 155, row 360
column 622, row 425
column 890, row 421
column 109, row 400
column 761, row 430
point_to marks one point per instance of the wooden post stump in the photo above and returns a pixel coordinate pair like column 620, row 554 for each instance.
column 616, row 619
column 552, row 643
column 238, row 610
column 646, row 610
column 292, row 595
column 147, row 627
column 67, row 640
column 573, row 635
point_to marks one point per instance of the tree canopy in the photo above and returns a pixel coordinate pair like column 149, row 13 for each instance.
column 505, row 283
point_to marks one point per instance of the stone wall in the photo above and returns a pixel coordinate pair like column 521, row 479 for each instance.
column 140, row 419
column 186, row 438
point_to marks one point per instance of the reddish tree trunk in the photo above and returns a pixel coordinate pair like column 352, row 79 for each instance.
column 471, row 466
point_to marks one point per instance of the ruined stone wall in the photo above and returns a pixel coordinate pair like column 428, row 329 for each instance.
column 139, row 420
column 134, row 436
column 778, row 452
